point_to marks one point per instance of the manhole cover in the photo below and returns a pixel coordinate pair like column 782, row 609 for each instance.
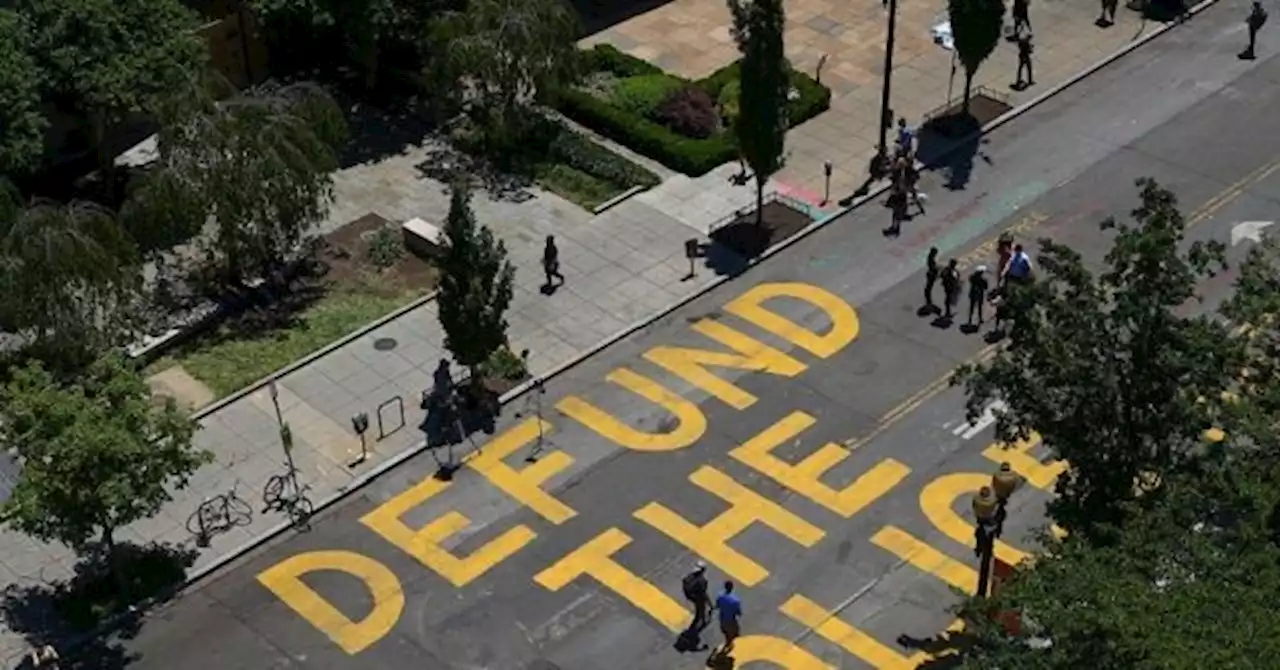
column 385, row 343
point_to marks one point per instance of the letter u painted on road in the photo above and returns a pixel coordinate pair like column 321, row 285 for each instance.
column 284, row 579
column 690, row 424
column 748, row 354
column 844, row 320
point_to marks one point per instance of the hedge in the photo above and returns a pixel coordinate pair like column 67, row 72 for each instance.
column 693, row 157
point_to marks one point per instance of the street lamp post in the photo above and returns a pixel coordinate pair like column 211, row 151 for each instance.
column 986, row 513
column 286, row 435
column 881, row 161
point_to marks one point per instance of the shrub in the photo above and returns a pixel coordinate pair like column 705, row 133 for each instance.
column 505, row 364
column 690, row 112
column 728, row 101
column 580, row 153
column 386, row 247
column 607, row 58
column 642, row 94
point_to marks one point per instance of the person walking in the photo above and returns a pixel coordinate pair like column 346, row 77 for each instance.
column 906, row 139
column 1018, row 269
column 1025, row 49
column 730, row 609
column 978, row 286
column 1108, row 16
column 931, row 271
column 1021, row 17
column 950, row 288
column 551, row 263
column 898, row 208
column 695, row 588
column 1257, row 19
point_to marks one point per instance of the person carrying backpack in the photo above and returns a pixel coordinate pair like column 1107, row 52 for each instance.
column 695, row 588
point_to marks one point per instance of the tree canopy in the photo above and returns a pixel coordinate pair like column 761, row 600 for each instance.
column 975, row 29
column 22, row 124
column 96, row 455
column 761, row 125
column 475, row 286
column 1177, row 573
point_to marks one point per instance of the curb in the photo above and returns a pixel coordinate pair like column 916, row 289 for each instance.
column 412, row 452
column 313, row 356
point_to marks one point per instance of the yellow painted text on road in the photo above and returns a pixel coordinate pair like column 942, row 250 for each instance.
column 926, row 558
column 284, row 579
column 844, row 320
column 595, row 559
column 938, row 500
column 691, row 423
column 836, row 631
column 711, row 541
column 749, row 354
column 424, row 544
column 1018, row 456
column 777, row 652
column 805, row 477
column 525, row 484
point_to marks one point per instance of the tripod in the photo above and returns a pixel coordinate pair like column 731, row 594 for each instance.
column 534, row 401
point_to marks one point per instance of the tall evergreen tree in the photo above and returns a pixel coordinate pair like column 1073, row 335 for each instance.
column 761, row 126
column 975, row 28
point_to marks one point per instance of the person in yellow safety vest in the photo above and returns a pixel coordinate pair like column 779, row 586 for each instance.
column 985, row 509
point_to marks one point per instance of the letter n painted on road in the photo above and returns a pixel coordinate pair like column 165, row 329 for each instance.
column 525, row 484
column 712, row 540
column 805, row 477
column 844, row 320
column 284, row 579
column 691, row 423
column 425, row 544
column 749, row 354
column 595, row 559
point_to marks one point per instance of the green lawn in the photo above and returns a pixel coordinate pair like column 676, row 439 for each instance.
column 582, row 189
column 227, row 361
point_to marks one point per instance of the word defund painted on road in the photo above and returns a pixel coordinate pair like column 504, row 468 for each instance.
column 597, row 559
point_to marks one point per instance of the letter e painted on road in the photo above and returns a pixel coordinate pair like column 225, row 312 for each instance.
column 525, row 484
column 805, row 477
column 1018, row 456
column 425, row 544
column 826, row 624
column 844, row 320
column 284, row 579
column 690, row 425
column 711, row 541
column 750, row 354
column 595, row 559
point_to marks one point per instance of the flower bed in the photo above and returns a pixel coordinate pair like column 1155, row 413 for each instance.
column 666, row 117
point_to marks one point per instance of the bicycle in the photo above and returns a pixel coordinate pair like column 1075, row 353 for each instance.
column 299, row 508
column 219, row 514
column 297, row 505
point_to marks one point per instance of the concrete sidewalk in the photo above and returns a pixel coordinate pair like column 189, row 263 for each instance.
column 622, row 267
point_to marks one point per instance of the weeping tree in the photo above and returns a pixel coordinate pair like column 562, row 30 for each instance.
column 765, row 84
column 253, row 171
column 71, row 279
column 975, row 28
column 507, row 55
column 22, row 124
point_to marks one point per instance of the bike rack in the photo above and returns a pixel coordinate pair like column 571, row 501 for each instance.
column 399, row 403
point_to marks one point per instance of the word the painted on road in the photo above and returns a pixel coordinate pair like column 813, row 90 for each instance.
column 434, row 545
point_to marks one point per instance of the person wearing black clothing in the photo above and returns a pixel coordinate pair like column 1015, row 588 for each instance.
column 977, row 293
column 950, row 287
column 1257, row 18
column 1021, row 16
column 695, row 587
column 1025, row 50
column 930, row 277
column 898, row 205
column 551, row 262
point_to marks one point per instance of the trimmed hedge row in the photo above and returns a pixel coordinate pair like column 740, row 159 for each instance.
column 693, row 157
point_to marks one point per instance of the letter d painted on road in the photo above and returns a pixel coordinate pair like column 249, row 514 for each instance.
column 844, row 320
column 284, row 579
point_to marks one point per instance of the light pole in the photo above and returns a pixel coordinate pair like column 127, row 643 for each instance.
column 286, row 435
column 985, row 511
column 880, row 163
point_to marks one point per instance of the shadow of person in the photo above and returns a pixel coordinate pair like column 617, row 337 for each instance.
column 721, row 660
column 943, row 322
column 969, row 328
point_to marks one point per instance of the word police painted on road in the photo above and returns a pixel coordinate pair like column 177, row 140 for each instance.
column 597, row 560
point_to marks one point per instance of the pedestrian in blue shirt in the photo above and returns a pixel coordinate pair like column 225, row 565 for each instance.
column 730, row 609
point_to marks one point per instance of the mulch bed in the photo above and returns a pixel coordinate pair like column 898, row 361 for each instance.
column 745, row 237
column 954, row 123
column 345, row 253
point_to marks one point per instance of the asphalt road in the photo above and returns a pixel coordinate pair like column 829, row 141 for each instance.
column 836, row 559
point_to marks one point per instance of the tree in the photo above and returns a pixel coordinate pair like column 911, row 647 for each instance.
column 96, row 455
column 475, row 287
column 109, row 61
column 761, row 126
column 22, row 124
column 257, row 168
column 975, row 28
column 1104, row 370
column 71, row 279
column 507, row 54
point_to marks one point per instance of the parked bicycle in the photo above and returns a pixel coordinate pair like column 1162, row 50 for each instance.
column 219, row 514
column 282, row 493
